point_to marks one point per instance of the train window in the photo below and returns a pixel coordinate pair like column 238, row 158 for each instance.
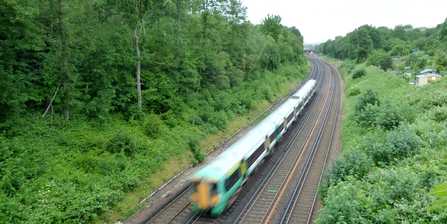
column 281, row 127
column 213, row 189
column 230, row 181
column 272, row 136
column 290, row 117
column 255, row 155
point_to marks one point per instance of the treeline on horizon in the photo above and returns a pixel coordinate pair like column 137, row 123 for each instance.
column 99, row 98
column 378, row 46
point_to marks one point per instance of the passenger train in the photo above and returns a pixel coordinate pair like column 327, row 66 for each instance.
column 216, row 186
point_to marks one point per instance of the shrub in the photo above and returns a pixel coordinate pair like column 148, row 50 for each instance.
column 440, row 114
column 195, row 120
column 358, row 73
column 267, row 93
column 353, row 163
column 171, row 118
column 353, row 91
column 219, row 119
column 222, row 101
column 123, row 141
column 389, row 116
column 348, row 65
column 368, row 97
column 402, row 142
column 152, row 125
column 247, row 99
column 367, row 117
column 347, row 202
column 399, row 190
column 194, row 146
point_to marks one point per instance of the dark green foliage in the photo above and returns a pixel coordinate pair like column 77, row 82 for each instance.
column 348, row 65
column 219, row 119
column 358, row 73
column 122, row 142
column 399, row 143
column 271, row 25
column 367, row 117
column 194, row 146
column 153, row 126
column 368, row 97
column 171, row 118
column 440, row 114
column 403, row 134
column 380, row 59
column 75, row 133
column 402, row 142
column 353, row 163
column 348, row 204
column 390, row 116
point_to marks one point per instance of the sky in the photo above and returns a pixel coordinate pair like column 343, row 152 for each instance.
column 321, row 20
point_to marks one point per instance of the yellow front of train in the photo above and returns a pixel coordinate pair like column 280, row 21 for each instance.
column 205, row 198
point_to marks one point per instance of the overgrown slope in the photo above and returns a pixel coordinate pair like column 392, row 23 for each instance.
column 394, row 140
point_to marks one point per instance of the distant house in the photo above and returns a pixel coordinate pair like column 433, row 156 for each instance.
column 423, row 79
column 428, row 71
column 422, row 29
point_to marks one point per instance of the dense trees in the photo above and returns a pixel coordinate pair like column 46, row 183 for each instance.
column 97, row 96
column 383, row 43
column 84, row 53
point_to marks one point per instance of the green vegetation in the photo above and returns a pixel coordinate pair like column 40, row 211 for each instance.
column 393, row 156
column 391, row 168
column 102, row 101
column 400, row 49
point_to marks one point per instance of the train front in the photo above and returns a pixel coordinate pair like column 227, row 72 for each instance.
column 205, row 197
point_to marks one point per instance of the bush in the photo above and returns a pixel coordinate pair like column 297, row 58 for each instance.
column 358, row 73
column 354, row 163
column 353, row 91
column 368, row 97
column 402, row 142
column 440, row 114
column 389, row 116
column 346, row 202
column 219, row 119
column 152, row 125
column 194, row 146
column 348, row 65
column 222, row 101
column 367, row 117
column 123, row 142
column 399, row 190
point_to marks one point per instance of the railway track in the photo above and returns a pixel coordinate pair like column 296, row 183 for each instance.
column 301, row 205
column 284, row 188
column 291, row 175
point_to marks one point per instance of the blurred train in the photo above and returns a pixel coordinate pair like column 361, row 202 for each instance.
column 216, row 186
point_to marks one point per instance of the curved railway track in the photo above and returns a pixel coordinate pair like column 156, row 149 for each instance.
column 283, row 189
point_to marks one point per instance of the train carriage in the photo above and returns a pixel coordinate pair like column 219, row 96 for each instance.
column 215, row 186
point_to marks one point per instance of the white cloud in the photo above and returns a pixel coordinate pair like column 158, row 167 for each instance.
column 320, row 20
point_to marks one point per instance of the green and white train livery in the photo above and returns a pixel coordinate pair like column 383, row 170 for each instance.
column 216, row 186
